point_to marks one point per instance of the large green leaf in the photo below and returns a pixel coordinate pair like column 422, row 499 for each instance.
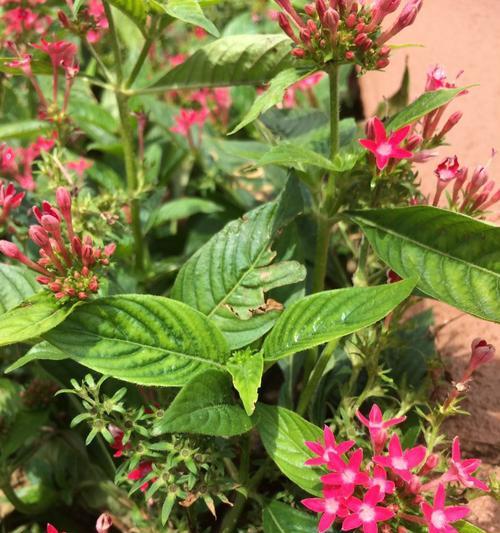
column 234, row 60
column 271, row 97
column 205, row 406
column 23, row 128
column 134, row 9
column 182, row 208
column 247, row 368
column 283, row 434
column 467, row 527
column 190, row 11
column 279, row 517
column 427, row 102
column 41, row 351
column 228, row 277
column 148, row 340
column 330, row 315
column 32, row 318
column 456, row 257
column 16, row 285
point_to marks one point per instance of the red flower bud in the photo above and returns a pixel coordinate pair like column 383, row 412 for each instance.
column 39, row 236
column 9, row 249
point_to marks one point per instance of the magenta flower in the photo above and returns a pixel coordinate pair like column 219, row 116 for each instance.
column 399, row 461
column 380, row 480
column 384, row 147
column 141, row 472
column 377, row 426
column 366, row 513
column 438, row 517
column 461, row 470
column 52, row 529
column 332, row 505
column 9, row 199
column 346, row 476
column 328, row 450
column 60, row 52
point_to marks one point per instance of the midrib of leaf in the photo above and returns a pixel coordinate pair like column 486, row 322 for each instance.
column 434, row 250
column 155, row 348
column 240, row 280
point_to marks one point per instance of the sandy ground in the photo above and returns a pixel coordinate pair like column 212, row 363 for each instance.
column 460, row 35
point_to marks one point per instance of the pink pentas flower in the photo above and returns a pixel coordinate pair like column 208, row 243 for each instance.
column 461, row 469
column 399, row 461
column 366, row 514
column 379, row 479
column 79, row 166
column 385, row 147
column 376, row 424
column 448, row 169
column 327, row 450
column 482, row 353
column 332, row 506
column 60, row 52
column 9, row 199
column 19, row 20
column 104, row 523
column 346, row 475
column 438, row 517
column 187, row 118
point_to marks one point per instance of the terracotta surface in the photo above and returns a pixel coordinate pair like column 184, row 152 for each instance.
column 460, row 35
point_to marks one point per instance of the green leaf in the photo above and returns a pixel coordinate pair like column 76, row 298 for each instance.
column 227, row 278
column 148, row 340
column 190, row 11
column 279, row 517
column 283, row 434
column 456, row 257
column 134, row 9
column 22, row 129
column 467, row 527
column 295, row 156
column 271, row 96
column 330, row 315
column 233, row 60
column 32, row 318
column 16, row 285
column 182, row 208
column 205, row 406
column 247, row 368
column 41, row 351
column 427, row 102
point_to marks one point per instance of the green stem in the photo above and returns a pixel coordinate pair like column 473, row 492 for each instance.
column 315, row 378
column 142, row 57
column 122, row 101
column 324, row 229
column 99, row 61
column 333, row 74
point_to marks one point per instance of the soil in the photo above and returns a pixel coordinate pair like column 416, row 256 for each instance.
column 460, row 35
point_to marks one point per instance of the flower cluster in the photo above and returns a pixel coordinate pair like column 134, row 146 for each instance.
column 67, row 263
column 345, row 31
column 9, row 199
column 472, row 194
column 21, row 21
column 16, row 163
column 91, row 21
column 389, row 488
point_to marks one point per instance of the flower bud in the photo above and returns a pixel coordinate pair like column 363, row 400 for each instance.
column 51, row 224
column 310, row 10
column 9, row 249
column 451, row 123
column 104, row 523
column 39, row 236
column 298, row 52
column 351, row 21
column 331, row 20
column 321, row 8
column 413, row 142
column 349, row 55
column 360, row 39
column 482, row 353
column 370, row 128
column 63, row 199
column 286, row 27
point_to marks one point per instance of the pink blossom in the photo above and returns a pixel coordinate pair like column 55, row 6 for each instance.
column 177, row 59
column 104, row 523
column 60, row 52
column 438, row 517
column 98, row 16
column 377, row 426
column 399, row 461
column 329, row 449
column 141, row 472
column 79, row 166
column 19, row 20
column 346, row 475
column 482, row 353
column 9, row 199
column 447, row 170
column 379, row 479
column 52, row 529
column 366, row 513
column 332, row 505
column 384, row 147
column 461, row 469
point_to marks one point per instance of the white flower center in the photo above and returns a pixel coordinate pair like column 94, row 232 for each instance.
column 399, row 463
column 438, row 519
column 366, row 513
column 384, row 149
column 348, row 476
column 331, row 506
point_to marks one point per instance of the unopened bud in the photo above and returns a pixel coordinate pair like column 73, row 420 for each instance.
column 451, row 123
column 311, row 26
column 331, row 20
column 298, row 52
column 305, row 36
column 310, row 10
column 63, row 19
column 349, row 56
column 360, row 39
column 286, row 27
column 482, row 353
column 321, row 8
column 413, row 142
column 370, row 128
column 51, row 224
column 9, row 249
column 39, row 236
column 351, row 21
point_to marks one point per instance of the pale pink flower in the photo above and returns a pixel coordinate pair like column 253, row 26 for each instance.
column 376, row 425
column 438, row 517
column 332, row 506
column 326, row 451
column 384, row 147
column 366, row 513
column 399, row 461
column 379, row 479
column 461, row 469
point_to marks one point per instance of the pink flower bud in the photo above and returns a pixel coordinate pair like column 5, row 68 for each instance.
column 286, row 27
column 482, row 353
column 311, row 26
column 109, row 249
column 50, row 223
column 305, row 36
column 9, row 249
column 310, row 10
column 451, row 123
column 360, row 39
column 39, row 236
column 370, row 128
column 321, row 8
column 63, row 199
column 349, row 55
column 331, row 20
column 414, row 141
column 104, row 523
column 298, row 52
column 351, row 21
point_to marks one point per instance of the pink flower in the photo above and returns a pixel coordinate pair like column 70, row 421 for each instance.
column 187, row 118
column 346, row 476
column 140, row 472
column 482, row 353
column 366, row 513
column 19, row 20
column 386, row 148
column 399, row 461
column 332, row 505
column 330, row 448
column 438, row 517
column 461, row 470
column 9, row 199
column 52, row 529
column 104, row 523
column 380, row 480
column 79, row 166
column 60, row 52
column 437, row 79
column 376, row 424
column 447, row 170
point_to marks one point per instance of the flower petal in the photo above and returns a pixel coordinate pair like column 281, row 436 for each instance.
column 314, row 504
column 456, row 512
column 351, row 522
